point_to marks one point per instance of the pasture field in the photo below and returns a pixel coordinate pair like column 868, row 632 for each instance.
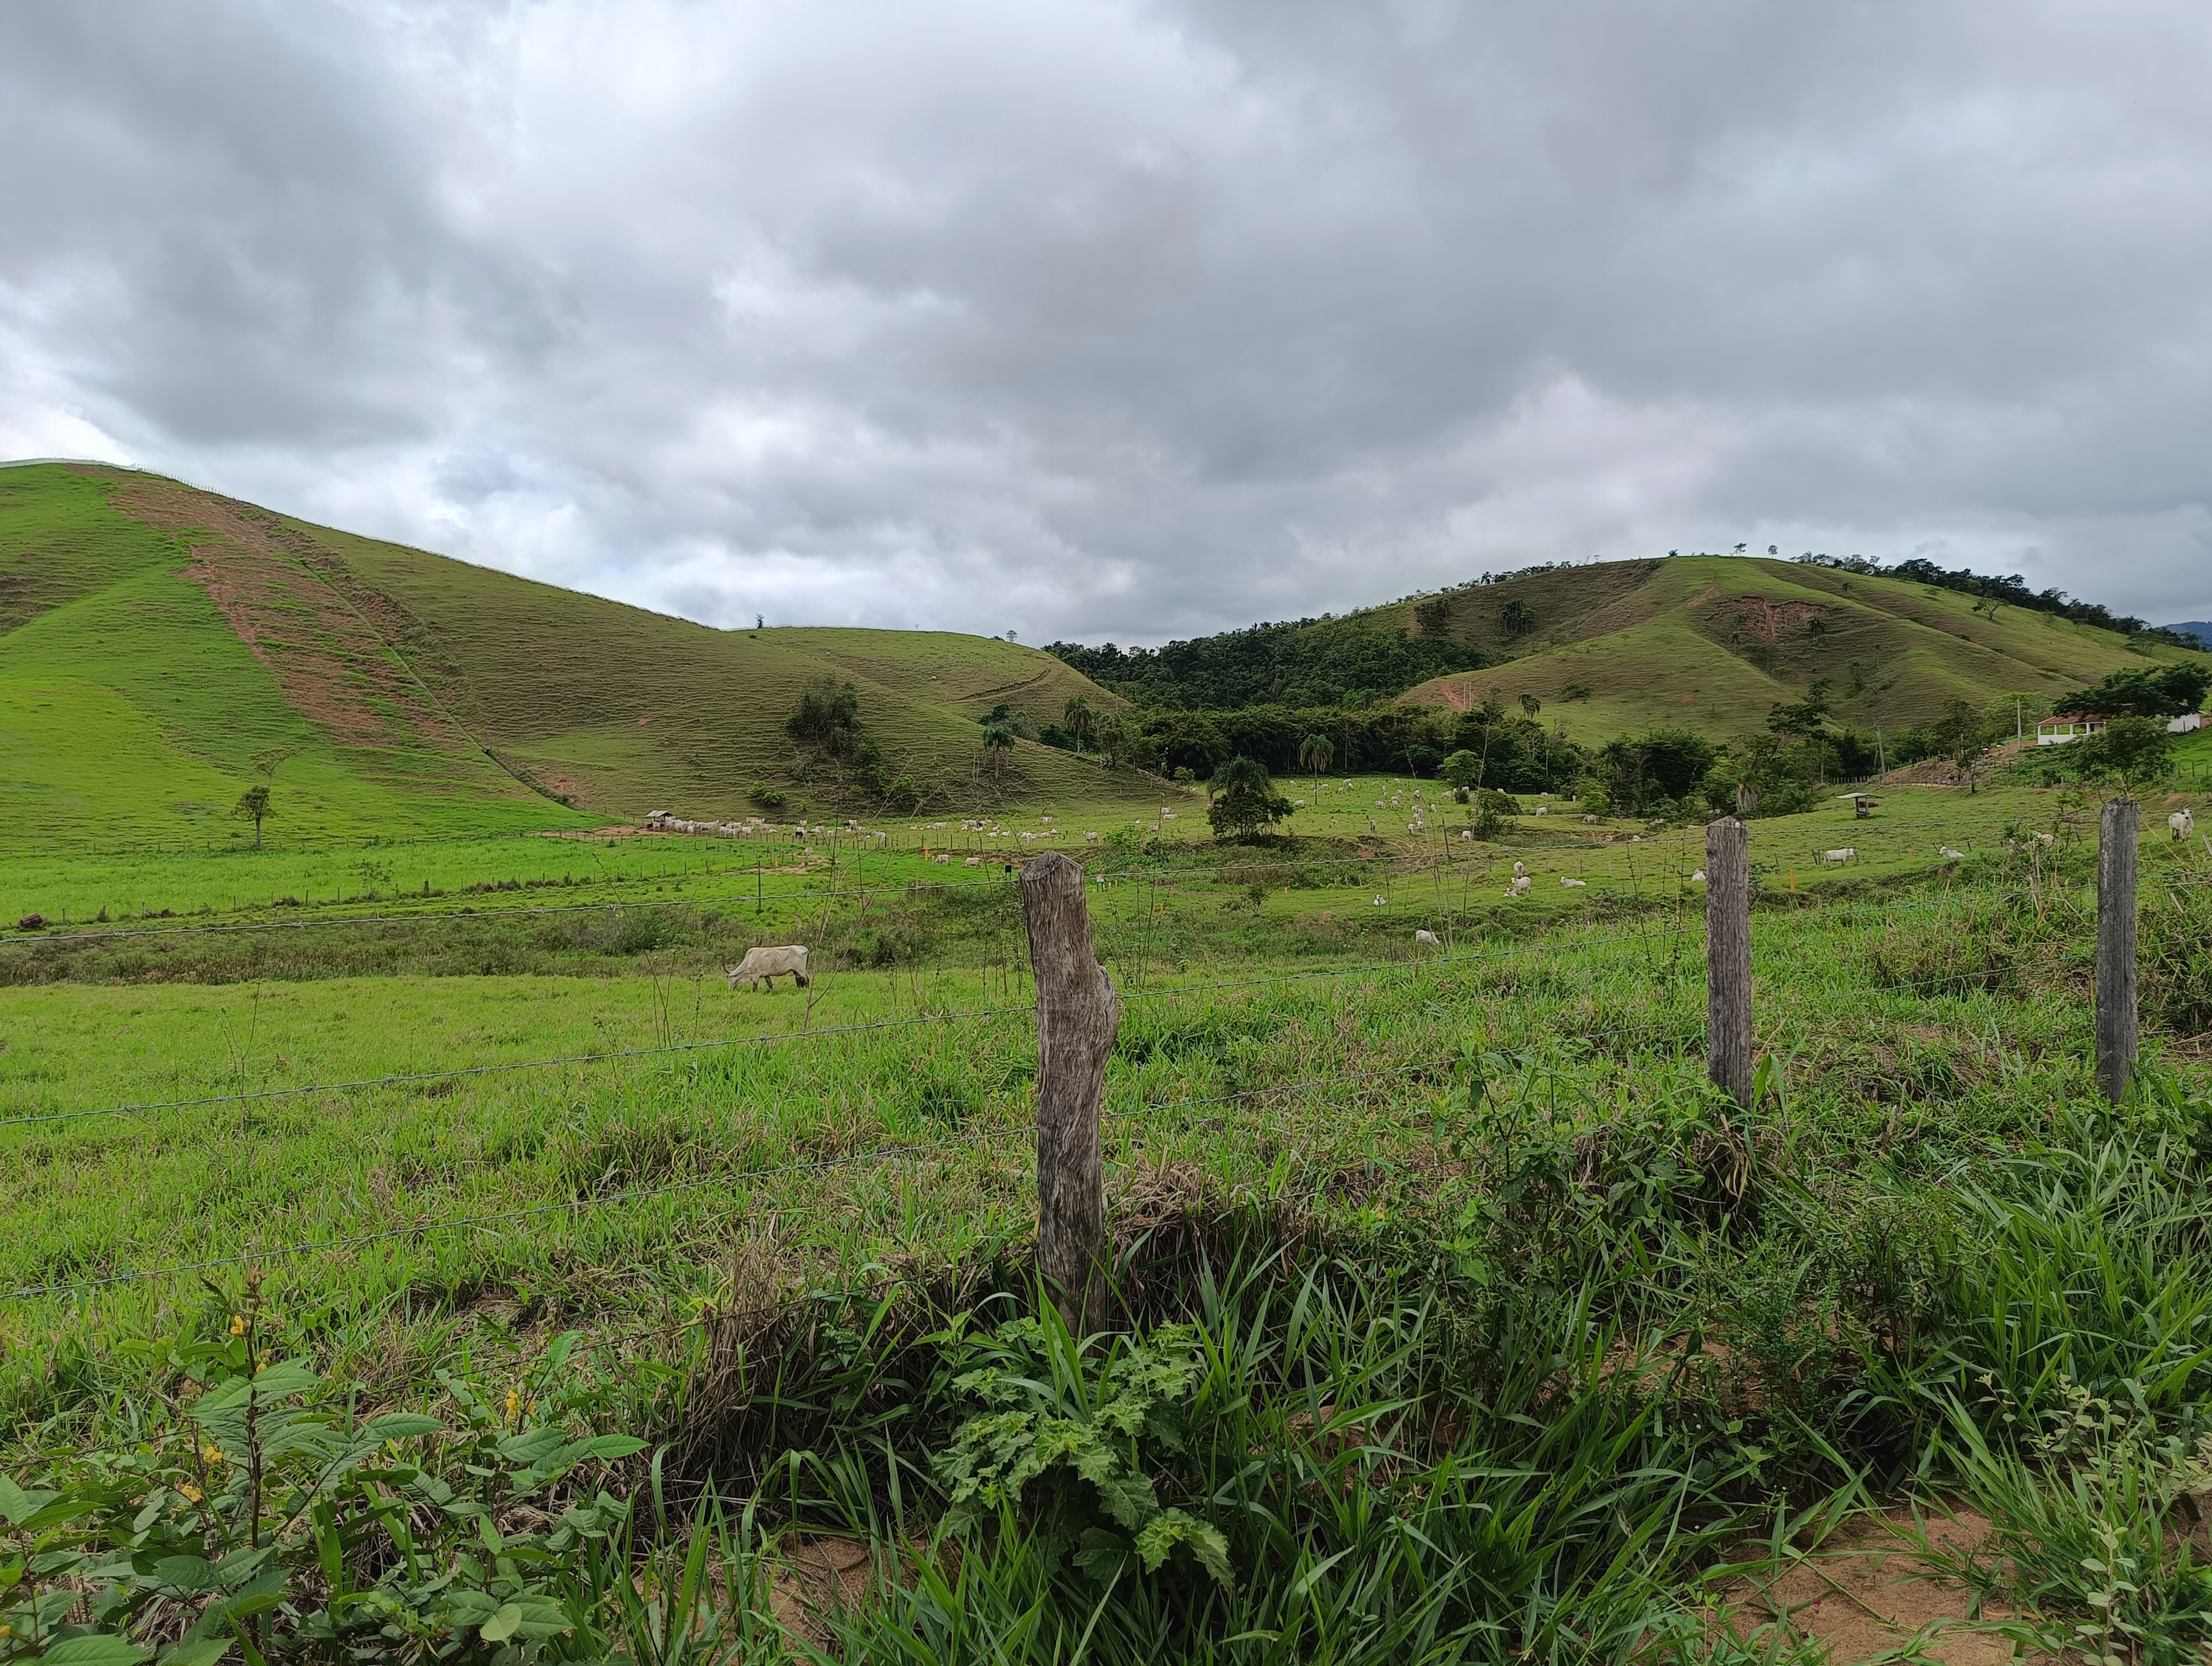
column 1457, row 1317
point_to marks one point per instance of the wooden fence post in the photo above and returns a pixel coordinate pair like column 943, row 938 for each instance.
column 2116, row 947
column 1077, row 1016
column 1728, row 958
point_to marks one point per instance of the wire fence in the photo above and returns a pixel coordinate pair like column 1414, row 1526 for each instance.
column 1137, row 1113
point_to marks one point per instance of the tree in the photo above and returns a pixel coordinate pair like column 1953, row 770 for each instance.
column 1314, row 751
column 1245, row 801
column 827, row 717
column 998, row 741
column 1517, row 616
column 2133, row 751
column 1530, row 704
column 2169, row 692
column 253, row 805
column 1079, row 720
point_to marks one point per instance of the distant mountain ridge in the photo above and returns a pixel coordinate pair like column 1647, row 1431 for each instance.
column 2200, row 629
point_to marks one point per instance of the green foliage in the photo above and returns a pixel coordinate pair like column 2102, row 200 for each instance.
column 1518, row 617
column 1067, row 1450
column 1310, row 662
column 2130, row 750
column 2140, row 691
column 1245, row 801
column 267, row 1522
column 1661, row 767
column 765, row 797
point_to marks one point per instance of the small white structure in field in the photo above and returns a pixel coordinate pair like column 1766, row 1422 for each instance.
column 2187, row 723
column 761, row 967
column 2057, row 731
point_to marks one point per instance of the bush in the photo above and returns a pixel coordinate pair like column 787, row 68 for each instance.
column 765, row 796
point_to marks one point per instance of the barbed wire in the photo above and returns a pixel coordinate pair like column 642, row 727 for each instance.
column 1611, row 845
column 1443, row 961
column 1143, row 1108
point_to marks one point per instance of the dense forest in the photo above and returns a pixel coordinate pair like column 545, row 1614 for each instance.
column 1305, row 662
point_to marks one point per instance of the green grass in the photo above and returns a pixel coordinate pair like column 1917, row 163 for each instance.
column 1689, row 641
column 153, row 640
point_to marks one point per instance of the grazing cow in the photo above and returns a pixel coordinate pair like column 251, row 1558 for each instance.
column 1572, row 883
column 1590, row 820
column 1948, row 853
column 1467, row 832
column 1543, row 809
column 1520, row 886
column 973, row 861
column 1091, row 838
column 1699, row 878
column 1520, row 870
column 2182, row 823
column 1837, row 858
column 764, row 966
column 946, row 858
column 1429, row 937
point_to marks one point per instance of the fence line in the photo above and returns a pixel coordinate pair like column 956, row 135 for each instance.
column 1409, row 861
column 1455, row 959
column 1143, row 1108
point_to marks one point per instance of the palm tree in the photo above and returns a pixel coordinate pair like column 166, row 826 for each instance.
column 998, row 741
column 1315, row 752
column 1079, row 720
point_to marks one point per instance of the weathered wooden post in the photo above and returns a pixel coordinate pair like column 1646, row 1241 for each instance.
column 2116, row 947
column 1077, row 1017
column 1728, row 958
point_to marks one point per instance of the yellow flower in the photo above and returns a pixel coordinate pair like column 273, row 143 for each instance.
column 238, row 1324
column 213, row 1454
column 191, row 1492
column 514, row 1403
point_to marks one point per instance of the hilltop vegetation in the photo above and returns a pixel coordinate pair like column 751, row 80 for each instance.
column 156, row 640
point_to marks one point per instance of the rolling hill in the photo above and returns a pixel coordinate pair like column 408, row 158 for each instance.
column 156, row 640
column 1710, row 643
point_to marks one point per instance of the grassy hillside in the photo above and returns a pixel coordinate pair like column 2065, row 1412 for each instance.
column 155, row 639
column 1710, row 642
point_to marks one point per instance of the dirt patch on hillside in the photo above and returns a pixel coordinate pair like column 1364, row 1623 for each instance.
column 1762, row 617
column 334, row 663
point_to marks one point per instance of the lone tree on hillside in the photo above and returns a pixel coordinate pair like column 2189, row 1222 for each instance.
column 1530, row 704
column 998, row 741
column 1245, row 801
column 253, row 805
column 1517, row 616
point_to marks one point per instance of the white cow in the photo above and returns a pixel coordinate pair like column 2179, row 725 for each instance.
column 1520, row 870
column 764, row 966
column 1429, row 937
column 1590, row 821
column 1949, row 855
column 1572, row 883
column 1699, row 878
column 1521, row 886
column 2183, row 823
column 1837, row 858
column 973, row 861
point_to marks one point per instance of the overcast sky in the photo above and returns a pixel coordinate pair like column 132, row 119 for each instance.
column 1130, row 320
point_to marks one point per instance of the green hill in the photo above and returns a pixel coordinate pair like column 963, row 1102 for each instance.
column 1711, row 642
column 154, row 638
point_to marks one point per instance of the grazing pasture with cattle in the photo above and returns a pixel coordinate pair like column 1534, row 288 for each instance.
column 523, row 1188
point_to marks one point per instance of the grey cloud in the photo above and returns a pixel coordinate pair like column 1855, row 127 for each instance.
column 1100, row 320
